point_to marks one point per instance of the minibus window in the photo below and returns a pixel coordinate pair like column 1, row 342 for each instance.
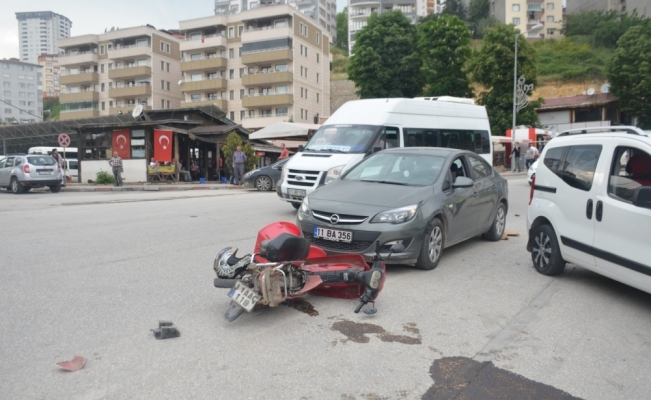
column 342, row 138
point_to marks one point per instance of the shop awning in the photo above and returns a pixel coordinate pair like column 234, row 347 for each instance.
column 281, row 130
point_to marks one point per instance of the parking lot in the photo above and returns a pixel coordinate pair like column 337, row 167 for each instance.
column 91, row 273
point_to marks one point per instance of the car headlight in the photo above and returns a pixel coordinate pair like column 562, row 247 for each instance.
column 333, row 174
column 305, row 206
column 283, row 174
column 397, row 215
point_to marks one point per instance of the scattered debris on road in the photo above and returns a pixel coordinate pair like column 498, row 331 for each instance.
column 357, row 332
column 75, row 364
column 166, row 330
column 508, row 233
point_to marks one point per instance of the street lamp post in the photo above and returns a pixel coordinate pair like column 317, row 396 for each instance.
column 534, row 29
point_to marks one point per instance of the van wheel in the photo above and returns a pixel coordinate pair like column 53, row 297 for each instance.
column 16, row 187
column 497, row 227
column 545, row 252
column 432, row 247
column 55, row 188
column 296, row 205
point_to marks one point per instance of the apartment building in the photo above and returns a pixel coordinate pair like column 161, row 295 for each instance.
column 50, row 70
column 261, row 65
column 113, row 72
column 643, row 7
column 526, row 14
column 359, row 12
column 39, row 33
column 21, row 98
column 323, row 12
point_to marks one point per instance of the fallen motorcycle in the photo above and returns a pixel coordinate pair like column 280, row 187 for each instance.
column 285, row 265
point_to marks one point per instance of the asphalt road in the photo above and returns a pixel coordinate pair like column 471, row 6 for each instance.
column 91, row 273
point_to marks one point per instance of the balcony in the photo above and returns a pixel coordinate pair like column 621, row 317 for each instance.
column 130, row 72
column 269, row 78
column 264, row 57
column 205, row 85
column 262, row 121
column 87, row 77
column 203, row 43
column 268, row 100
column 77, row 97
column 223, row 104
column 203, row 64
column 130, row 51
column 364, row 2
column 360, row 14
column 259, row 34
column 126, row 109
column 130, row 91
column 78, row 58
column 68, row 115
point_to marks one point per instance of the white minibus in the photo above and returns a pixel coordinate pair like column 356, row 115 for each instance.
column 361, row 127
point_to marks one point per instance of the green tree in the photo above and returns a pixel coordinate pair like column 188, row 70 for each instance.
column 232, row 141
column 342, row 30
column 629, row 73
column 444, row 45
column 386, row 62
column 601, row 28
column 455, row 7
column 51, row 109
column 492, row 67
column 478, row 10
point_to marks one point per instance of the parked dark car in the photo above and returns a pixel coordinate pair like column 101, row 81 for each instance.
column 265, row 179
column 427, row 199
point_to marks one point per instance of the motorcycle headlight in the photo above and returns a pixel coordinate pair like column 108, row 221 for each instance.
column 397, row 215
column 333, row 173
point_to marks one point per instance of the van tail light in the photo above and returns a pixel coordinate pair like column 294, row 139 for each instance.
column 26, row 168
column 533, row 183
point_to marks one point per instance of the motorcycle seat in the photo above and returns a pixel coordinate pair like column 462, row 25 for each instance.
column 285, row 247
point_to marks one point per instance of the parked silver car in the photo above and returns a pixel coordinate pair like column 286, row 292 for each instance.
column 20, row 173
column 426, row 199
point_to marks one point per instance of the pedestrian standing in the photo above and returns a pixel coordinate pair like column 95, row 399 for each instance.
column 59, row 160
column 515, row 157
column 284, row 153
column 239, row 158
column 116, row 164
column 532, row 154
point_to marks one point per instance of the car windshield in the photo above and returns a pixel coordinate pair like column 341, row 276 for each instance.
column 398, row 169
column 41, row 160
column 342, row 138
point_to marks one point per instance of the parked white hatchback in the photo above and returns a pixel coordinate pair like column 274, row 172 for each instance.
column 590, row 204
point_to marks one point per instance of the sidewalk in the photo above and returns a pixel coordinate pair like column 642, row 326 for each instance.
column 147, row 187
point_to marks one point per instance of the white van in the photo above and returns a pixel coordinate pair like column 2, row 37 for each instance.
column 362, row 127
column 70, row 164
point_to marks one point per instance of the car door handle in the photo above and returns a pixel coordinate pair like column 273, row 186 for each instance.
column 588, row 209
column 599, row 211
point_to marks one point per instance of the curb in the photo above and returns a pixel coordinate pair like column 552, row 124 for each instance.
column 147, row 188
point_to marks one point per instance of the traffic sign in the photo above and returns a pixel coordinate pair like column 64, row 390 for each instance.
column 64, row 140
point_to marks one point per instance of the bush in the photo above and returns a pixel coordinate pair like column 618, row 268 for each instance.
column 568, row 60
column 104, row 177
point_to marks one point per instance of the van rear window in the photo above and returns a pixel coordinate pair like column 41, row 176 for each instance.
column 41, row 160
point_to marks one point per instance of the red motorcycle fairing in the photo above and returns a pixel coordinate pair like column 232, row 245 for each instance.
column 276, row 228
column 340, row 262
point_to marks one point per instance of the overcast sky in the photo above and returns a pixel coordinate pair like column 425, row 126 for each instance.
column 92, row 16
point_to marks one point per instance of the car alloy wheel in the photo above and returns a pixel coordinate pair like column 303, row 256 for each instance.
column 14, row 186
column 435, row 244
column 542, row 250
column 263, row 183
column 500, row 221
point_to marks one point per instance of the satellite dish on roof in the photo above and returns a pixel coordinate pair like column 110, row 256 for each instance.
column 137, row 111
column 605, row 88
column 591, row 91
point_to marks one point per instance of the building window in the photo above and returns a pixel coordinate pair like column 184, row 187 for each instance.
column 162, row 85
column 550, row 6
column 534, row 6
column 232, row 95
column 317, row 57
column 550, row 31
column 239, row 52
column 550, row 18
column 162, row 46
column 515, row 7
column 240, row 29
column 281, row 112
column 241, row 94
column 162, row 104
column 318, row 38
column 231, row 53
column 241, row 72
column 516, row 21
column 168, row 104
column 301, row 94
column 317, row 97
column 168, row 67
column 242, row 114
column 232, row 115
column 162, row 65
column 103, row 104
column 317, row 78
column 101, row 49
column 102, row 87
column 231, row 32
column 168, row 86
column 231, row 74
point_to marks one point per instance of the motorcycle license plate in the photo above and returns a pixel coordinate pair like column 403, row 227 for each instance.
column 243, row 296
column 333, row 235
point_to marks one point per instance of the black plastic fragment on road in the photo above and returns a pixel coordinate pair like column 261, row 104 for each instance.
column 166, row 330
column 465, row 378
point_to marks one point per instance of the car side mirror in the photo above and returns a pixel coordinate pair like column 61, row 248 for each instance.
column 642, row 197
column 462, row 182
column 301, row 148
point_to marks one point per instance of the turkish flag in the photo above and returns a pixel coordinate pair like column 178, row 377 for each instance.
column 163, row 145
column 122, row 144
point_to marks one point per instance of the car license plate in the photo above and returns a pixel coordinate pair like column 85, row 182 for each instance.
column 333, row 235
column 44, row 172
column 296, row 192
column 243, row 296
